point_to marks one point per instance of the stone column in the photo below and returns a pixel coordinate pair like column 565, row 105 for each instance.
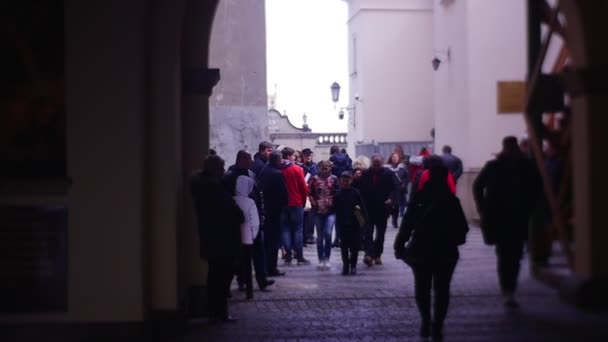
column 197, row 83
column 589, row 91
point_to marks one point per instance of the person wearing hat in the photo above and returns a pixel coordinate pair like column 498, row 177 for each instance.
column 351, row 216
column 310, row 169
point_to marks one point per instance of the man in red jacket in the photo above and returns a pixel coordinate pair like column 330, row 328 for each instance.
column 292, row 216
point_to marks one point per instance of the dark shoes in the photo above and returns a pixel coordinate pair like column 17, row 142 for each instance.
column 425, row 329
column 213, row 320
column 434, row 330
column 264, row 284
column 511, row 303
column 303, row 262
column 437, row 332
column 368, row 260
column 276, row 273
column 345, row 270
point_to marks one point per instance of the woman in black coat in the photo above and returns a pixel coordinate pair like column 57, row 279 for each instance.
column 433, row 227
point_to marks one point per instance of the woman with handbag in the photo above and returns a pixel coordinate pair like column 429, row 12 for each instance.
column 431, row 231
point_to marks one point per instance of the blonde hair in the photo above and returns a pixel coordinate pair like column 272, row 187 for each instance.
column 361, row 162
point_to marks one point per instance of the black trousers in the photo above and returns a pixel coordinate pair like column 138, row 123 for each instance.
column 350, row 239
column 245, row 267
column 438, row 275
column 259, row 258
column 272, row 240
column 509, row 254
column 218, row 286
column 309, row 226
column 374, row 247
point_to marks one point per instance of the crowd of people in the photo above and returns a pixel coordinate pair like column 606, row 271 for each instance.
column 272, row 205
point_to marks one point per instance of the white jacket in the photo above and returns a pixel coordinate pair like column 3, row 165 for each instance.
column 251, row 226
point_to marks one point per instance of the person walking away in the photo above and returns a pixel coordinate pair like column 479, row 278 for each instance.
column 272, row 185
column 219, row 220
column 424, row 175
column 453, row 163
column 348, row 158
column 377, row 189
column 323, row 188
column 292, row 216
column 433, row 227
column 395, row 165
column 351, row 216
column 340, row 161
column 249, row 228
column 416, row 164
column 505, row 193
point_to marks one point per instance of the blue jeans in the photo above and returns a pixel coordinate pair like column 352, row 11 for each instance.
column 291, row 229
column 325, row 224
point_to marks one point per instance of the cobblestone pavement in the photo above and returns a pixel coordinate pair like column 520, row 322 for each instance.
column 378, row 305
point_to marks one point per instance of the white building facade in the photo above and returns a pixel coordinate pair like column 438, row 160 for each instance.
column 478, row 43
column 391, row 81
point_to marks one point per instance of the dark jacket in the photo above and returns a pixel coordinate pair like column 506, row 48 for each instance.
column 454, row 165
column 505, row 193
column 436, row 223
column 259, row 162
column 340, row 162
column 271, row 182
column 376, row 193
column 219, row 217
column 311, row 168
column 415, row 182
column 344, row 203
column 402, row 178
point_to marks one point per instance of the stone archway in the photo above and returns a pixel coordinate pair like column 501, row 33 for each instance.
column 589, row 58
column 585, row 39
column 197, row 83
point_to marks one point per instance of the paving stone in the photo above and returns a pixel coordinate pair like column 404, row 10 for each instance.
column 378, row 305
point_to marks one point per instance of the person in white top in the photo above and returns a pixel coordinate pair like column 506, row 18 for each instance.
column 249, row 229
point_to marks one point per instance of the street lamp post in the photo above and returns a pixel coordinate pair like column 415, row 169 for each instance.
column 335, row 96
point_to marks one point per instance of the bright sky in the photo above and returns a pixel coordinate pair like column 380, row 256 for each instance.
column 306, row 49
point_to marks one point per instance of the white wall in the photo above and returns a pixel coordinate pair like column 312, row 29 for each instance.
column 487, row 42
column 394, row 76
column 497, row 38
column 451, row 91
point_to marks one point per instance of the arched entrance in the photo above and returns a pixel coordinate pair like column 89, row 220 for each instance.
column 588, row 58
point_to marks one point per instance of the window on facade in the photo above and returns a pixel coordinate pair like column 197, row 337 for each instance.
column 353, row 56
